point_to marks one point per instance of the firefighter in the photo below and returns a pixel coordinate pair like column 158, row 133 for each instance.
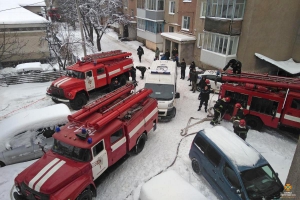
column 220, row 108
column 241, row 130
column 239, row 115
column 235, row 65
column 133, row 73
column 204, row 97
column 142, row 69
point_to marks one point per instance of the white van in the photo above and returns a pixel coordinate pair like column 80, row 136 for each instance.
column 161, row 78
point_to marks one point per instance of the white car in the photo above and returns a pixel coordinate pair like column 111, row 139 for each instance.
column 214, row 77
column 26, row 135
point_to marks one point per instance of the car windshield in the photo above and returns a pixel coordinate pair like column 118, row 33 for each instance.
column 70, row 151
column 75, row 74
column 161, row 91
column 261, row 182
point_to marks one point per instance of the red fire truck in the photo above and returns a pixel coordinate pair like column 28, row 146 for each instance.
column 95, row 71
column 95, row 138
column 267, row 100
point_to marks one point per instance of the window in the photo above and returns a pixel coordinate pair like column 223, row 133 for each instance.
column 203, row 10
column 141, row 4
column 296, row 104
column 223, row 44
column 160, row 5
column 98, row 148
column 185, row 23
column 201, row 143
column 236, row 97
column 151, row 4
column 154, row 27
column 172, row 7
column 231, row 176
column 171, row 29
column 116, row 136
column 200, row 40
column 125, row 4
column 264, row 106
column 141, row 24
column 100, row 71
column 213, row 156
column 230, row 9
column 89, row 74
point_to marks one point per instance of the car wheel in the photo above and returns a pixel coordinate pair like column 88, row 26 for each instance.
column 254, row 122
column 85, row 195
column 79, row 101
column 196, row 166
column 140, row 143
column 2, row 164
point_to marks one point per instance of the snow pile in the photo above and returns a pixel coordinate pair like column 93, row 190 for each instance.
column 32, row 120
column 32, row 66
column 233, row 146
column 169, row 186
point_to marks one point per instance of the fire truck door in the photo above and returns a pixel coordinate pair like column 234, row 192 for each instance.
column 99, row 162
column 117, row 145
column 291, row 112
column 89, row 80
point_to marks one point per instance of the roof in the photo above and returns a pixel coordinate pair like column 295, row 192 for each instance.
column 163, row 67
column 237, row 150
column 178, row 36
column 289, row 66
column 39, row 3
column 12, row 13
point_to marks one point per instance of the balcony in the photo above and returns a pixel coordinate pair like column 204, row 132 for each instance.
column 214, row 59
column 223, row 26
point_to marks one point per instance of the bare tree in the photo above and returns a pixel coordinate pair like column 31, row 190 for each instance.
column 11, row 46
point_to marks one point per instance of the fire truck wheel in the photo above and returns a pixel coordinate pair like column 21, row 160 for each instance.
column 140, row 143
column 2, row 164
column 55, row 101
column 79, row 101
column 196, row 166
column 85, row 195
column 123, row 80
column 254, row 122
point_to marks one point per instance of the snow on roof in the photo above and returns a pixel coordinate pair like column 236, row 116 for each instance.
column 31, row 3
column 29, row 66
column 241, row 153
column 169, row 186
column 12, row 13
column 289, row 66
column 178, row 36
column 33, row 120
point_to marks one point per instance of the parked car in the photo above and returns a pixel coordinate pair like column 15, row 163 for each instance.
column 214, row 77
column 241, row 171
column 25, row 136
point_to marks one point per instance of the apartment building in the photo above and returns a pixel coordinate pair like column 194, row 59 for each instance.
column 129, row 30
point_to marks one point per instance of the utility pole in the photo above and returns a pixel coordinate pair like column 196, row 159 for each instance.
column 81, row 29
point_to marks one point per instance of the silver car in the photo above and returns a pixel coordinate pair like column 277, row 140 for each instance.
column 26, row 136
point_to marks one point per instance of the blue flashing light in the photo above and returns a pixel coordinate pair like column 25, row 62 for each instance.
column 57, row 129
column 83, row 130
column 89, row 140
column 160, row 72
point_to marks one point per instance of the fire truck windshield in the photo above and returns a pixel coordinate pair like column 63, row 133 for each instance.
column 70, row 151
column 75, row 74
column 261, row 182
column 161, row 91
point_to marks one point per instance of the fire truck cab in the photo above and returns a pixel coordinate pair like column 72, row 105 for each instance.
column 267, row 100
column 95, row 138
column 95, row 71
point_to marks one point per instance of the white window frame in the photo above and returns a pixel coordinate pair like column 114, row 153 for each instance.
column 141, row 26
column 203, row 9
column 200, row 40
column 226, row 9
column 172, row 8
column 188, row 1
column 189, row 23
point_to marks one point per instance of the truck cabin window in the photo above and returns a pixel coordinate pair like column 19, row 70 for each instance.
column 70, row 151
column 260, row 182
column 161, row 91
column 75, row 74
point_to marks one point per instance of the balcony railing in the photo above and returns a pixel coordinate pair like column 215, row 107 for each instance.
column 223, row 26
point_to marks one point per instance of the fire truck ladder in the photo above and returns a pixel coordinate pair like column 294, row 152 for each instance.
column 263, row 79
column 104, row 100
column 105, row 56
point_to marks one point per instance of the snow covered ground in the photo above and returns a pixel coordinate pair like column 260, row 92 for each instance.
column 125, row 180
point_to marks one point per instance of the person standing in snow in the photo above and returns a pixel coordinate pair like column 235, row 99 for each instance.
column 193, row 79
column 204, row 97
column 183, row 67
column 157, row 52
column 167, row 55
column 140, row 52
column 241, row 130
column 220, row 108
column 142, row 70
column 133, row 73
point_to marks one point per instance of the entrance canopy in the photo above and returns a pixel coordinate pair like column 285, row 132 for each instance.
column 289, row 66
column 178, row 37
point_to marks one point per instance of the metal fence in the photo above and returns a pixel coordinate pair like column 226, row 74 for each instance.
column 31, row 77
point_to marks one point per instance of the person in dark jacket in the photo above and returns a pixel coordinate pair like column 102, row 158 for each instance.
column 235, row 65
column 204, row 97
column 175, row 55
column 192, row 66
column 241, row 130
column 140, row 52
column 157, row 52
column 220, row 108
column 116, row 84
column 239, row 115
column 193, row 79
column 142, row 70
column 202, row 82
column 167, row 54
column 183, row 67
column 133, row 73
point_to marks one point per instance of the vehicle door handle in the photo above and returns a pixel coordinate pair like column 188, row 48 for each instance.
column 214, row 171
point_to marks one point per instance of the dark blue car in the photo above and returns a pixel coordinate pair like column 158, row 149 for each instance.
column 232, row 166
